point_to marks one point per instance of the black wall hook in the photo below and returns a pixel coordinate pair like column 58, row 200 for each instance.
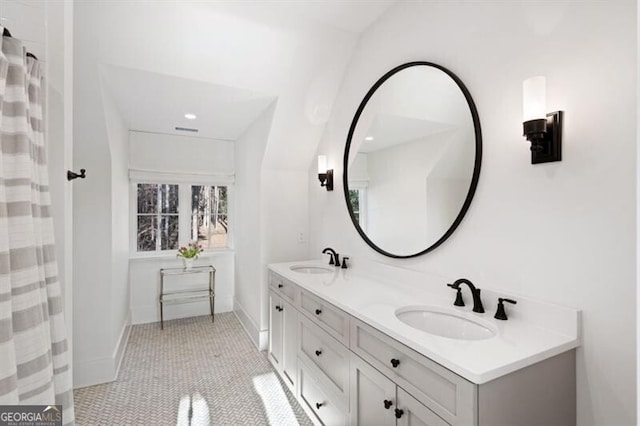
column 72, row 175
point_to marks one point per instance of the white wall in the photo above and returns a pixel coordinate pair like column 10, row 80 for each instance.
column 249, row 152
column 284, row 221
column 100, row 228
column 178, row 159
column 59, row 135
column 145, row 284
column 560, row 232
column 118, row 137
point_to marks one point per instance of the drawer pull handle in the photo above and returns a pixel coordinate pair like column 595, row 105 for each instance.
column 395, row 363
column 319, row 404
column 280, row 285
column 399, row 413
column 318, row 352
column 387, row 404
column 278, row 308
column 318, row 311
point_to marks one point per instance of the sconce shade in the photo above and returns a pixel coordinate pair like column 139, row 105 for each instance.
column 322, row 163
column 534, row 99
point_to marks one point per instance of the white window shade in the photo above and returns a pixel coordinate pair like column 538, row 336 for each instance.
column 155, row 176
column 180, row 155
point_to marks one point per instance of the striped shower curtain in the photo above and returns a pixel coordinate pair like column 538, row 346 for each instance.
column 34, row 353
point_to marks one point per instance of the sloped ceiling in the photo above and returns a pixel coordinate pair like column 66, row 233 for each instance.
column 153, row 102
column 347, row 15
column 169, row 56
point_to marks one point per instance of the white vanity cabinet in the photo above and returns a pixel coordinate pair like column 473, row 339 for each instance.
column 377, row 401
column 345, row 372
column 283, row 344
column 450, row 396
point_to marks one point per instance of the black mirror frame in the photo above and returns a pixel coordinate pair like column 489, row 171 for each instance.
column 476, row 167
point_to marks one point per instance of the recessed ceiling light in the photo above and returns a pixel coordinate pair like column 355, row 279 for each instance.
column 368, row 138
column 190, row 116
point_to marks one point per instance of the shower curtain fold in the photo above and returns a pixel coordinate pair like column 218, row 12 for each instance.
column 34, row 354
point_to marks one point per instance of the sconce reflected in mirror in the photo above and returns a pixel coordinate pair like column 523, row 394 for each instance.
column 543, row 130
column 325, row 176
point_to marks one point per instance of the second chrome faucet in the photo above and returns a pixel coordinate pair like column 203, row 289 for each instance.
column 475, row 293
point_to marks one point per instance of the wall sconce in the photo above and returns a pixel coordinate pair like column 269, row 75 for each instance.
column 543, row 130
column 325, row 176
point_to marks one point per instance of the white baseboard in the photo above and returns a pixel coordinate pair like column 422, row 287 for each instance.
column 151, row 313
column 260, row 338
column 118, row 353
column 264, row 340
column 102, row 370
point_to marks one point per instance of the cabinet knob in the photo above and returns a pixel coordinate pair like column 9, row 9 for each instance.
column 399, row 413
column 280, row 285
column 278, row 308
column 318, row 311
column 387, row 404
column 318, row 352
column 319, row 404
column 395, row 362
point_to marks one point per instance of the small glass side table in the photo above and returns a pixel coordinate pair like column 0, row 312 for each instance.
column 190, row 295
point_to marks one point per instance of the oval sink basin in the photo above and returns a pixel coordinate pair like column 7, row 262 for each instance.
column 311, row 269
column 445, row 323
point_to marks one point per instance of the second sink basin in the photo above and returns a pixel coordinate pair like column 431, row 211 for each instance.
column 445, row 323
column 312, row 269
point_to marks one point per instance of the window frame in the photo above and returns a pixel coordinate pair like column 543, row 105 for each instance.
column 362, row 187
column 184, row 182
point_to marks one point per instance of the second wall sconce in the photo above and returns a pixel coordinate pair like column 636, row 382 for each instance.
column 325, row 176
column 543, row 130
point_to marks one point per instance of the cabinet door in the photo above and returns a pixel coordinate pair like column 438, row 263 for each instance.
column 289, row 317
column 413, row 413
column 373, row 396
column 275, row 330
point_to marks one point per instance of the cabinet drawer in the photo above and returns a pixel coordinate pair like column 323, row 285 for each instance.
column 283, row 287
column 414, row 413
column 323, row 351
column 447, row 394
column 317, row 400
column 330, row 318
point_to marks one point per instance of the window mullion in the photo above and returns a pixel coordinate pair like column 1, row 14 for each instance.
column 184, row 212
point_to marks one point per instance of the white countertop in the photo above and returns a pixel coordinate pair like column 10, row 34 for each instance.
column 535, row 331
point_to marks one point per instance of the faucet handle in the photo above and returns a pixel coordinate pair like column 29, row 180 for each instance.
column 344, row 262
column 459, row 301
column 330, row 258
column 337, row 263
column 500, row 312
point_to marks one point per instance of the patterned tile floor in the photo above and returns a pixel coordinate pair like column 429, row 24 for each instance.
column 192, row 372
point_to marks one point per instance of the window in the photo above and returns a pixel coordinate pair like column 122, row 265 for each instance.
column 157, row 217
column 354, row 200
column 170, row 215
column 358, row 201
column 209, row 220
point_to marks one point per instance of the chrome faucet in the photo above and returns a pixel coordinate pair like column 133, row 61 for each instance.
column 475, row 292
column 334, row 257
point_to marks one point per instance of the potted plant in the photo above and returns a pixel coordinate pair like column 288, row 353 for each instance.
column 189, row 253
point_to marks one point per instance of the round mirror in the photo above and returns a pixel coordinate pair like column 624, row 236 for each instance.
column 412, row 159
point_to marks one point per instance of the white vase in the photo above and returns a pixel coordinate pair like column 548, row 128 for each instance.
column 188, row 262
